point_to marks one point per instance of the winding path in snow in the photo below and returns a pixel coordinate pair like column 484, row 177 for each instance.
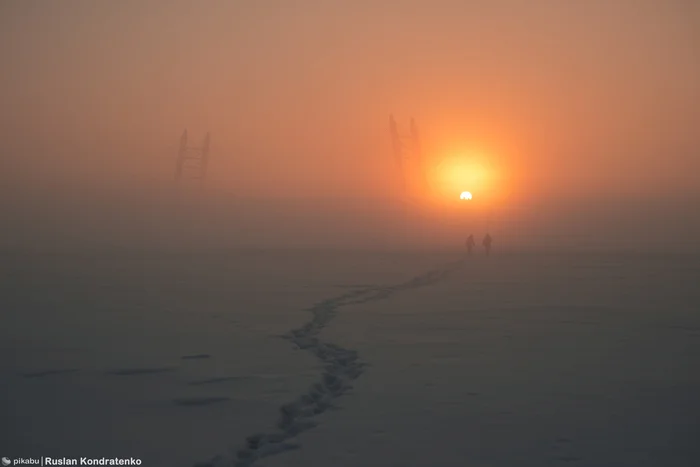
column 341, row 367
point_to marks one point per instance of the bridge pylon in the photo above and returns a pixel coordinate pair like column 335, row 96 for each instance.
column 192, row 161
column 408, row 155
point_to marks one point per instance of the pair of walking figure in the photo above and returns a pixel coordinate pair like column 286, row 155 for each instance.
column 486, row 243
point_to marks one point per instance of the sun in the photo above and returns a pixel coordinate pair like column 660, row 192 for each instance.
column 465, row 195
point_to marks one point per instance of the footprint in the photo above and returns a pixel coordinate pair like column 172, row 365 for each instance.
column 196, row 356
column 140, row 371
column 221, row 379
column 41, row 374
column 192, row 401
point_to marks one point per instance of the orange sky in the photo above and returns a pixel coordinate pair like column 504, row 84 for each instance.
column 595, row 98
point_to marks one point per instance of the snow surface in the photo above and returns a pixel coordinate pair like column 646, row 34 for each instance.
column 349, row 358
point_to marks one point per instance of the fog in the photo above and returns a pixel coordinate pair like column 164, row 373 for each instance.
column 588, row 111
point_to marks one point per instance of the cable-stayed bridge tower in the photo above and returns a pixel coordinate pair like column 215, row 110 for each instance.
column 408, row 156
column 192, row 161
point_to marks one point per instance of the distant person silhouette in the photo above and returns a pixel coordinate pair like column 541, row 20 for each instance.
column 470, row 243
column 487, row 244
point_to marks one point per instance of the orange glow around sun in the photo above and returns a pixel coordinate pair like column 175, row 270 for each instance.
column 465, row 176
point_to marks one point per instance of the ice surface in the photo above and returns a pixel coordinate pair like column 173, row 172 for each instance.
column 323, row 358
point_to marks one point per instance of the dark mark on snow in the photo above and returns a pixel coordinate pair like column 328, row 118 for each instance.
column 140, row 371
column 191, row 401
column 196, row 357
column 222, row 379
column 41, row 374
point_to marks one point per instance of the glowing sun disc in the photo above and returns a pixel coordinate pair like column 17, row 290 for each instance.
column 465, row 195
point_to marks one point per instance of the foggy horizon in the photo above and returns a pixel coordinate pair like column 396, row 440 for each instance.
column 580, row 111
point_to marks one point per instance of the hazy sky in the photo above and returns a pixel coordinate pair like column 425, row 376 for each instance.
column 589, row 97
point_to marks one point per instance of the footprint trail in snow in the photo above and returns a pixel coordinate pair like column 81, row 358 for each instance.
column 341, row 367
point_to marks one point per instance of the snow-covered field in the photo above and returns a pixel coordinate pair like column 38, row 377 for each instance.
column 362, row 359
